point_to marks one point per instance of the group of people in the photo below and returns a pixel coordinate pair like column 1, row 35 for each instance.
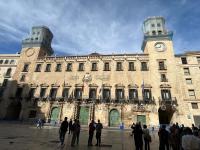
column 179, row 137
column 140, row 135
column 74, row 128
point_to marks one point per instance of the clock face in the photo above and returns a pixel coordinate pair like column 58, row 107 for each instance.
column 30, row 52
column 160, row 47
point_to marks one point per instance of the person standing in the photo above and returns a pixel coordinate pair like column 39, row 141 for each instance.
column 70, row 126
column 138, row 137
column 133, row 128
column 76, row 132
column 99, row 128
column 63, row 130
column 91, row 132
column 163, row 138
column 147, row 137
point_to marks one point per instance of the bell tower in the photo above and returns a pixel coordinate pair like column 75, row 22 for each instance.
column 37, row 44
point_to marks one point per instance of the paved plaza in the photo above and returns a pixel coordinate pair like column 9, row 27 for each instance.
column 16, row 136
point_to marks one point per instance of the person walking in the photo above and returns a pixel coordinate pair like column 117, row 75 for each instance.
column 133, row 128
column 163, row 138
column 138, row 137
column 91, row 132
column 70, row 126
column 147, row 137
column 63, row 130
column 99, row 128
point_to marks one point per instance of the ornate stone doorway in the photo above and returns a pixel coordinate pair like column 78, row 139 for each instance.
column 84, row 115
column 55, row 114
column 114, row 118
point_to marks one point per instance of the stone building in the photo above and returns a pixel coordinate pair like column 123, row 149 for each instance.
column 153, row 87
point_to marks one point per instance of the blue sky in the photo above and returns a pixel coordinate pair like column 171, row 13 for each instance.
column 104, row 26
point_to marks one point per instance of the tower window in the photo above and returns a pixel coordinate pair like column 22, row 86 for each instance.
column 119, row 66
column 154, row 32
column 152, row 25
column 186, row 71
column 22, row 79
column 69, row 67
column 58, row 68
column 1, row 61
column 38, row 68
column 163, row 78
column 6, row 61
column 131, row 66
column 184, row 60
column 81, row 67
column 192, row 94
column 94, row 66
column 158, row 25
column 26, row 67
column 189, row 81
column 8, row 73
column 106, row 66
column 159, row 32
column 162, row 65
column 144, row 66
column 194, row 105
column 48, row 68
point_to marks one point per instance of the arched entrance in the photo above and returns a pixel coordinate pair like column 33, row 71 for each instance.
column 165, row 114
column 114, row 118
column 13, row 111
column 84, row 115
column 55, row 114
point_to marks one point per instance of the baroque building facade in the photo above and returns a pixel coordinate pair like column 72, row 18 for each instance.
column 153, row 87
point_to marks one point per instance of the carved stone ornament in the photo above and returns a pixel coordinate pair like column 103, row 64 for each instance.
column 29, row 52
column 87, row 78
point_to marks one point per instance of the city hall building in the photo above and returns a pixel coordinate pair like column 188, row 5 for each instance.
column 154, row 87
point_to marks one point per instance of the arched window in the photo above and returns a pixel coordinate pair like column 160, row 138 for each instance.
column 6, row 61
column 154, row 32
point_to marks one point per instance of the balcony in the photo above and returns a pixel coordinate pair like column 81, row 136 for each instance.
column 171, row 101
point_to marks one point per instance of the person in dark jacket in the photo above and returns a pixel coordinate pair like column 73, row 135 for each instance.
column 63, row 130
column 163, row 138
column 138, row 137
column 99, row 128
column 70, row 126
column 91, row 132
column 76, row 131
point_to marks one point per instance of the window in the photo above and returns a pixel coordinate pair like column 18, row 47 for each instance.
column 43, row 92
column 158, row 25
column 94, row 66
column 147, row 94
column 81, row 67
column 12, row 61
column 58, row 68
column 69, row 67
column 163, row 78
column 162, row 65
column 5, row 82
column 119, row 66
column 144, row 66
column 186, row 71
column 198, row 60
column 152, row 25
column 8, row 72
column 6, row 61
column 19, row 92
column 38, row 68
column 131, row 66
column 159, row 32
column 48, row 68
column 26, row 67
column 184, row 60
column 53, row 92
column 154, row 32
column 22, row 79
column 133, row 94
column 78, row 93
column 166, row 94
column 194, row 105
column 31, row 93
column 65, row 93
column 106, row 95
column 191, row 94
column 119, row 94
column 1, row 61
column 188, row 80
column 106, row 66
column 92, row 94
